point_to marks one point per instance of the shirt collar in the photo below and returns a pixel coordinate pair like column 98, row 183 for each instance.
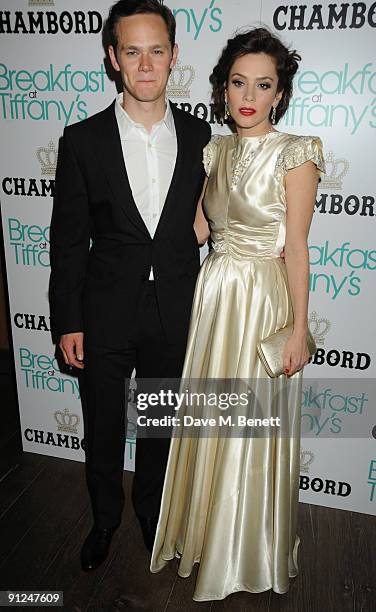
column 126, row 123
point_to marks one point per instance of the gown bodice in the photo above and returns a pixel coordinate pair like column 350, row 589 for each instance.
column 245, row 199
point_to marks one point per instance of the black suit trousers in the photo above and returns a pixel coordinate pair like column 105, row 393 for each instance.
column 104, row 407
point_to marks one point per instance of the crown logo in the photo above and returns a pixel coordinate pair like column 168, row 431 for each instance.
column 41, row 2
column 336, row 169
column 306, row 458
column 181, row 78
column 132, row 392
column 318, row 327
column 47, row 157
column 66, row 421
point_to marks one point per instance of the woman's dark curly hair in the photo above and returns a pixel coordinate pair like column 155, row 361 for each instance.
column 256, row 40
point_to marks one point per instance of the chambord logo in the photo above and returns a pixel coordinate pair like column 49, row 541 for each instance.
column 47, row 157
column 22, row 186
column 306, row 458
column 319, row 327
column 336, row 169
column 333, row 357
column 64, row 438
column 48, row 21
column 41, row 2
column 66, row 421
column 180, row 81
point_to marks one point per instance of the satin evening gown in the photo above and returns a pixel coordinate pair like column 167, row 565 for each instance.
column 230, row 503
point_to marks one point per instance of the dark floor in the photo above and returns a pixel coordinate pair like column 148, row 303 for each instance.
column 45, row 514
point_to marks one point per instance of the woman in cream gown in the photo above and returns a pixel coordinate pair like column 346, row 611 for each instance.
column 230, row 503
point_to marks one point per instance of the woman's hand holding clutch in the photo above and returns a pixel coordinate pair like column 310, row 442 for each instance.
column 296, row 354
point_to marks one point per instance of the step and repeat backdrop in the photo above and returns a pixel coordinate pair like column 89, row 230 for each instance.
column 53, row 73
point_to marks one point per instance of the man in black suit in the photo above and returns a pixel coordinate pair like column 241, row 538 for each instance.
column 129, row 179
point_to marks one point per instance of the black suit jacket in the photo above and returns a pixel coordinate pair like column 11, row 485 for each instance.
column 96, row 290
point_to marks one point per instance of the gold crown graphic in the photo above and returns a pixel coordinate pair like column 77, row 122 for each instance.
column 47, row 157
column 66, row 421
column 181, row 78
column 319, row 327
column 336, row 169
column 41, row 2
column 306, row 458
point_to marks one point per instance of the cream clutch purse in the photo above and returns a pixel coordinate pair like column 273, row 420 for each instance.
column 270, row 349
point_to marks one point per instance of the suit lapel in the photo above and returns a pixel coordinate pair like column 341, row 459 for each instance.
column 175, row 184
column 115, row 170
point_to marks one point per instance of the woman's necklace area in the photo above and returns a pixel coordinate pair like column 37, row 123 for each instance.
column 238, row 165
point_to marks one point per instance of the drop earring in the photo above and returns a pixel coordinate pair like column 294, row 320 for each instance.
column 227, row 110
column 273, row 115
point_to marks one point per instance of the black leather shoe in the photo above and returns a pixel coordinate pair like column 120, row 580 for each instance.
column 96, row 547
column 148, row 528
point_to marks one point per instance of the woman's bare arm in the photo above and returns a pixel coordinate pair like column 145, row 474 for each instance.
column 200, row 224
column 301, row 188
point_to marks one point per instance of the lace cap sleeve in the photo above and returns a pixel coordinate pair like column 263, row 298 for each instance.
column 209, row 152
column 298, row 151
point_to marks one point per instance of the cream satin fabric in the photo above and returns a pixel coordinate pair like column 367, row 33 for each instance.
column 231, row 503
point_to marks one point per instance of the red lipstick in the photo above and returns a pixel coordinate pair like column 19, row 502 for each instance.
column 247, row 112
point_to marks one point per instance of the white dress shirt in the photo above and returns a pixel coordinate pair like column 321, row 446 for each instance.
column 149, row 159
